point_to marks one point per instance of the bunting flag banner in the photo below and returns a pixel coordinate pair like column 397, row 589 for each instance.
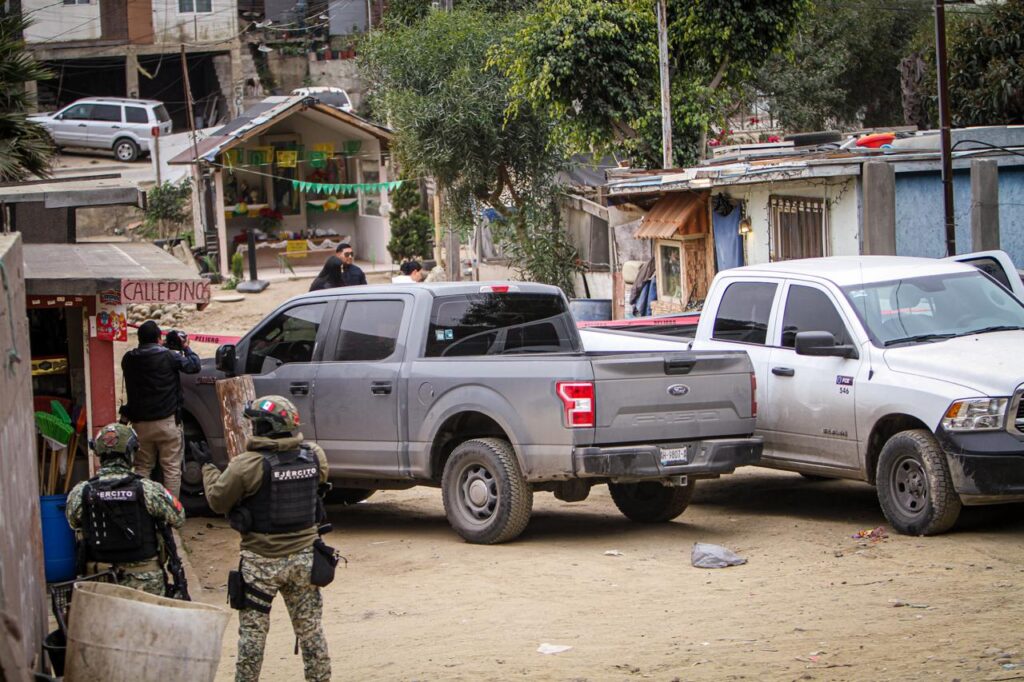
column 325, row 147
column 234, row 158
column 352, row 147
column 260, row 156
column 359, row 187
column 318, row 159
column 287, row 158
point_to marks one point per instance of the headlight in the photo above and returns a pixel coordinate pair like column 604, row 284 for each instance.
column 976, row 414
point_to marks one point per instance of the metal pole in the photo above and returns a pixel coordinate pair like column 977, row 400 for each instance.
column 944, row 125
column 666, row 110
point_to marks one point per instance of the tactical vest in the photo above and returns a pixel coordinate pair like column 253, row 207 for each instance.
column 286, row 500
column 116, row 524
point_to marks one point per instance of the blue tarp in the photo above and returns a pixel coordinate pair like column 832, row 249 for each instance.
column 728, row 241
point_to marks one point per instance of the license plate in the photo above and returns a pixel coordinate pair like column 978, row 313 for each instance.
column 671, row 456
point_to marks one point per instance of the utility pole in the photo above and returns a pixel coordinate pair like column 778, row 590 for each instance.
column 666, row 109
column 944, row 125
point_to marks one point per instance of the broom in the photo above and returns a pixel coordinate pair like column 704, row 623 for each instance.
column 55, row 433
column 73, row 448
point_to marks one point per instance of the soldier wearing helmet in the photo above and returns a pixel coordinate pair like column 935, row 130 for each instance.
column 270, row 495
column 117, row 513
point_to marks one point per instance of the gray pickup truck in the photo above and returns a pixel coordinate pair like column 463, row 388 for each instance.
column 485, row 391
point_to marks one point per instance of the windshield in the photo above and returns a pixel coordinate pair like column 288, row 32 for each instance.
column 933, row 308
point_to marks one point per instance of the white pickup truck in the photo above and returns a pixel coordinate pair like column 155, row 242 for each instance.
column 902, row 372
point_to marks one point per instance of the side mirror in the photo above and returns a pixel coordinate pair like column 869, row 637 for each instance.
column 823, row 344
column 225, row 359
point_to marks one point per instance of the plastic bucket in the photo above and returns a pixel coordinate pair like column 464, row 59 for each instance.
column 56, row 646
column 590, row 309
column 58, row 539
column 118, row 634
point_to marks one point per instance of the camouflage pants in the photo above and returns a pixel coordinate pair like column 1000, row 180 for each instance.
column 148, row 581
column 290, row 576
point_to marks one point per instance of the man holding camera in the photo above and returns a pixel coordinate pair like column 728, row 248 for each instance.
column 153, row 383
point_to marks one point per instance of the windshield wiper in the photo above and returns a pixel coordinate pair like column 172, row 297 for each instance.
column 919, row 337
column 994, row 328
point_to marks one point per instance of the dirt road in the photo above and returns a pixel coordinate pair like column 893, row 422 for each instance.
column 812, row 603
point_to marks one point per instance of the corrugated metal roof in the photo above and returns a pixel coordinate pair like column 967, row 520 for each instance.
column 679, row 213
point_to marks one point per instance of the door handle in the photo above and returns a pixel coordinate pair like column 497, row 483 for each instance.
column 116, row 127
column 82, row 125
column 783, row 371
column 380, row 388
column 299, row 388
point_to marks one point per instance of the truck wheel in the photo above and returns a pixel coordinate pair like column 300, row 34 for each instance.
column 486, row 499
column 348, row 495
column 650, row 501
column 914, row 486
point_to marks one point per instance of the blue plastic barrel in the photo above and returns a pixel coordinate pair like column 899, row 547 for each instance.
column 590, row 309
column 58, row 539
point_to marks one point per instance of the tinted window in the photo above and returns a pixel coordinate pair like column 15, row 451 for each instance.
column 743, row 312
column 289, row 337
column 78, row 112
column 992, row 268
column 106, row 112
column 369, row 330
column 810, row 310
column 135, row 115
column 488, row 324
column 161, row 113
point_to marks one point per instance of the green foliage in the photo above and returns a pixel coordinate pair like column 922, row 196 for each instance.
column 841, row 68
column 986, row 65
column 25, row 147
column 591, row 65
column 231, row 283
column 237, row 265
column 406, row 12
column 167, row 207
column 453, row 123
column 539, row 249
column 411, row 227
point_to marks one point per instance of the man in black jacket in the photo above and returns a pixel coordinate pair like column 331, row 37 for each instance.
column 351, row 274
column 153, row 383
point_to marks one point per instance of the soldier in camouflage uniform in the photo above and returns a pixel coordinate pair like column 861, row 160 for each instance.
column 270, row 492
column 116, row 513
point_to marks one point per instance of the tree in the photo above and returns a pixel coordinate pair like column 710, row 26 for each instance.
column 986, row 65
column 430, row 81
column 841, row 68
column 167, row 208
column 592, row 66
column 410, row 225
column 25, row 147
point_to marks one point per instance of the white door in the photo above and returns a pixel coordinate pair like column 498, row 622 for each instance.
column 812, row 397
column 744, row 321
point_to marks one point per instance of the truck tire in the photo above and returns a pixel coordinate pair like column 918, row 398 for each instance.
column 486, row 498
column 348, row 496
column 650, row 501
column 914, row 487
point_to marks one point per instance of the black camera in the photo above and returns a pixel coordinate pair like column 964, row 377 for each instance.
column 175, row 340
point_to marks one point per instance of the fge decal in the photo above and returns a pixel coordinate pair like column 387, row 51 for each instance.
column 844, row 381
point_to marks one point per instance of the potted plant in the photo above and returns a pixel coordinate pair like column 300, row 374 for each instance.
column 270, row 219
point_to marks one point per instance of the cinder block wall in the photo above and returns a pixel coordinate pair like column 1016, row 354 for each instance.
column 22, row 583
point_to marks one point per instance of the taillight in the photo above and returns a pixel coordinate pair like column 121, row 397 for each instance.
column 753, row 394
column 577, row 402
column 499, row 289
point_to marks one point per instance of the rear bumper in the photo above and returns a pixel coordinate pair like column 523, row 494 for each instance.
column 643, row 462
column 986, row 467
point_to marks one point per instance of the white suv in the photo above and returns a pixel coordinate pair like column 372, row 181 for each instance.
column 124, row 126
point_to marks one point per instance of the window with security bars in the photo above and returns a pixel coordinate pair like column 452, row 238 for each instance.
column 799, row 228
